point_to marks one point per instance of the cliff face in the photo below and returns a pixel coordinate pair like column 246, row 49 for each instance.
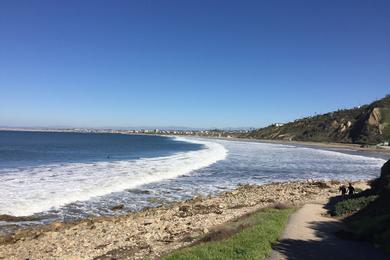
column 369, row 124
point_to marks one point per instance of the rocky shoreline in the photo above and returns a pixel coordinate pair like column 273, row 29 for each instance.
column 156, row 231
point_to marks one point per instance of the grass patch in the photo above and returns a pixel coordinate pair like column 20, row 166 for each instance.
column 352, row 205
column 250, row 237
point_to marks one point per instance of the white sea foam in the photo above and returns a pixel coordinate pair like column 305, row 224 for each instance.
column 279, row 162
column 36, row 189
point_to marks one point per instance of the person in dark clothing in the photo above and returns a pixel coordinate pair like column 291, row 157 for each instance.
column 343, row 190
column 351, row 189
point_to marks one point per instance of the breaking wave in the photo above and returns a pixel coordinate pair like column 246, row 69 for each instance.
column 30, row 190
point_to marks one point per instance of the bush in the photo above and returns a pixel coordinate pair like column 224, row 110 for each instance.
column 376, row 229
column 372, row 223
column 352, row 205
column 358, row 190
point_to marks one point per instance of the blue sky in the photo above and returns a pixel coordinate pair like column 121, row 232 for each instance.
column 188, row 63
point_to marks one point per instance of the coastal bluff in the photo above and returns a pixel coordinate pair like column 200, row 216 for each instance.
column 367, row 124
column 154, row 232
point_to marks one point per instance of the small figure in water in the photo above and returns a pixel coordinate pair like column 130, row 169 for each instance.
column 351, row 189
column 108, row 157
column 343, row 190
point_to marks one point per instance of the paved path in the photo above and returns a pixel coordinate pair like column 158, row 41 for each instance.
column 309, row 235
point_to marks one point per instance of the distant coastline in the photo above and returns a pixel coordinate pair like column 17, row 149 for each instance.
column 202, row 134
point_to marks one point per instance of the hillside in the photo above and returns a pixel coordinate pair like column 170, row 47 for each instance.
column 368, row 124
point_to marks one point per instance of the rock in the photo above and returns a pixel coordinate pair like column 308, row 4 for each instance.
column 321, row 184
column 5, row 217
column 37, row 234
column 385, row 171
column 57, row 225
column 218, row 211
column 118, row 207
column 184, row 208
column 101, row 246
column 160, row 229
column 148, row 222
column 375, row 117
column 383, row 182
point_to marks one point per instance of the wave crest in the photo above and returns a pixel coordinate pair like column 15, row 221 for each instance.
column 42, row 188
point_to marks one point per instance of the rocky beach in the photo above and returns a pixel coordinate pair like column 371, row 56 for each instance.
column 154, row 232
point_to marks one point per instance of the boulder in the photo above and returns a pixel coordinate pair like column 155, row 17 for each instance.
column 185, row 208
column 118, row 207
column 385, row 175
column 5, row 217
column 383, row 182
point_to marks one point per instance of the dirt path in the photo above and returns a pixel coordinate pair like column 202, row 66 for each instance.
column 310, row 235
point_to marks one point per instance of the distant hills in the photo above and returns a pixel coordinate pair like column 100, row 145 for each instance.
column 368, row 124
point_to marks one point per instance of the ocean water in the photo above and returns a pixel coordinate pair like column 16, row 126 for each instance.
column 70, row 176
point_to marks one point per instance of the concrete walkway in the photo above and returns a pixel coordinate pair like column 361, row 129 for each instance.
column 310, row 235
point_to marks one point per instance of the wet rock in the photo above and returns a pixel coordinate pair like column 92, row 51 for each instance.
column 138, row 191
column 118, row 207
column 10, row 218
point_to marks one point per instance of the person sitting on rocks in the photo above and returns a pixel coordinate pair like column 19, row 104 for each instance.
column 343, row 190
column 351, row 189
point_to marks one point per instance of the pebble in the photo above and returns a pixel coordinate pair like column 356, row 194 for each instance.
column 157, row 231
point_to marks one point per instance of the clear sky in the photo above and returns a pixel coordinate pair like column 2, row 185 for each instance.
column 188, row 63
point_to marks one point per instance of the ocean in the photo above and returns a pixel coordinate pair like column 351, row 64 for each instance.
column 68, row 176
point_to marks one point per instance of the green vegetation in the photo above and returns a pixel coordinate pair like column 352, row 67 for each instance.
column 374, row 228
column 352, row 205
column 372, row 222
column 153, row 200
column 246, row 238
column 371, row 212
column 356, row 125
column 369, row 217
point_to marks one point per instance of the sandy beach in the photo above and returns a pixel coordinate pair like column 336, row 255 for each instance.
column 355, row 147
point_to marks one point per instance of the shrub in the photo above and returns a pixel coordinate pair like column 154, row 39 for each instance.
column 352, row 205
column 374, row 228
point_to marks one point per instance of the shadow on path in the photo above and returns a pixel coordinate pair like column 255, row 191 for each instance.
column 320, row 242
column 328, row 247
